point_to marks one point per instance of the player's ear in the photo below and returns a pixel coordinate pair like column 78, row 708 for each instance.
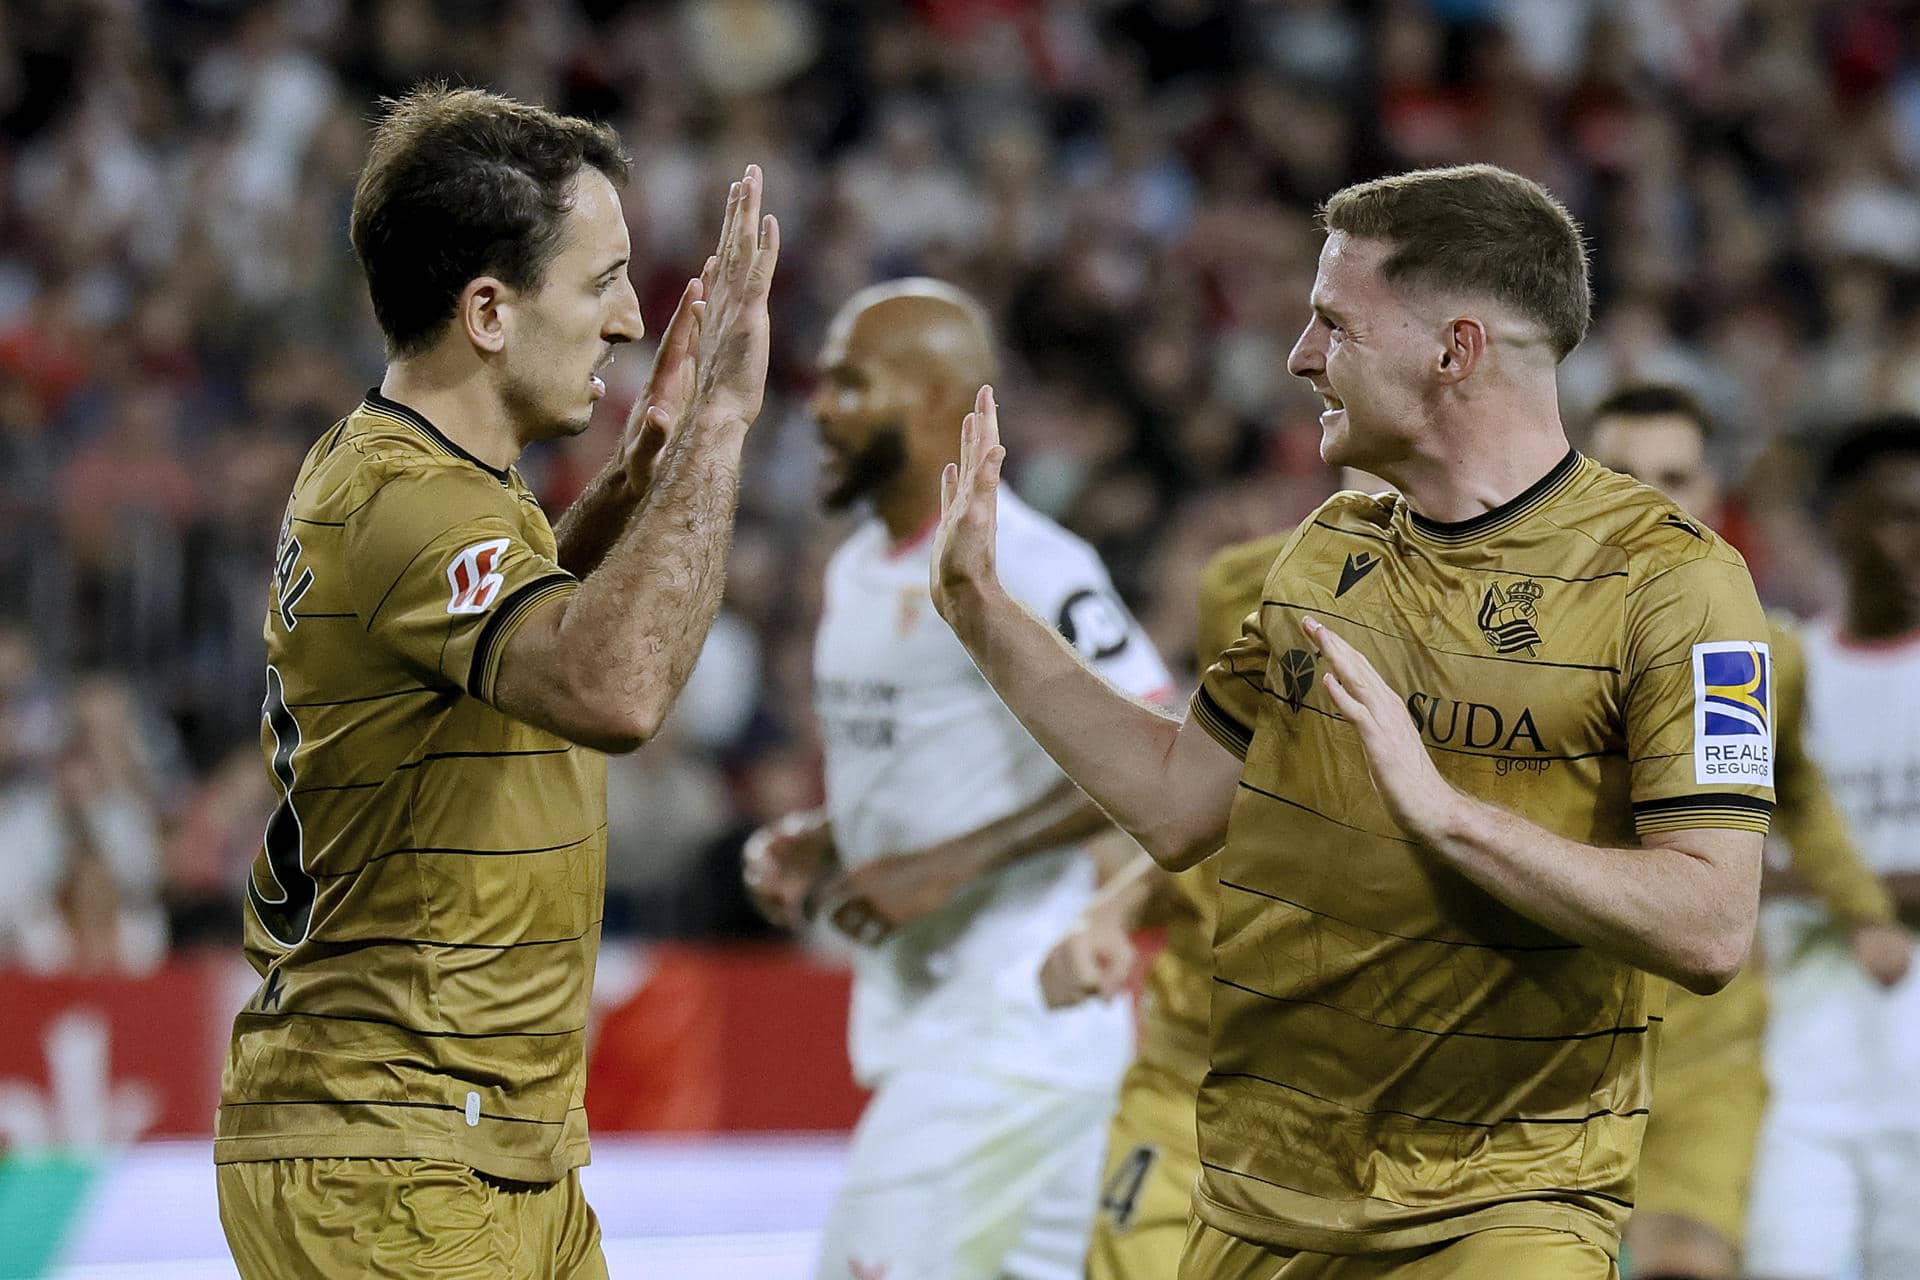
column 481, row 313
column 1462, row 346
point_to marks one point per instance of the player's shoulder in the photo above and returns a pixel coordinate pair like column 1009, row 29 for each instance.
column 1035, row 549
column 1649, row 529
column 370, row 454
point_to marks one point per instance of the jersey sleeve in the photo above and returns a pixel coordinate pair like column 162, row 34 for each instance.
column 1824, row 854
column 444, row 567
column 1700, row 699
column 1068, row 586
column 1228, row 645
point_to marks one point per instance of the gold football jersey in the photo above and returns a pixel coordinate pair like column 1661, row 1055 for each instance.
column 1179, row 986
column 1398, row 1057
column 425, row 908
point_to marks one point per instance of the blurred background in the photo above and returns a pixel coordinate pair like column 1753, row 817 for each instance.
column 1129, row 186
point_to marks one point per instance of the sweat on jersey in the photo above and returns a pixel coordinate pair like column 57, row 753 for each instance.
column 920, row 749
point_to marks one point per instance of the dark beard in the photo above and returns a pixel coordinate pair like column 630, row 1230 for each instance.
column 879, row 460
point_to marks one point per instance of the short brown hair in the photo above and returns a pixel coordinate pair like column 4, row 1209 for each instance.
column 1477, row 227
column 1655, row 400
column 462, row 183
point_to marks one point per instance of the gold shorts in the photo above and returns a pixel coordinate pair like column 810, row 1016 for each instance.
column 1709, row 1096
column 1146, row 1193
column 333, row 1219
column 1497, row 1253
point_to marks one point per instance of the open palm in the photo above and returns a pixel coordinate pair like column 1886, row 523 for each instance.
column 963, row 546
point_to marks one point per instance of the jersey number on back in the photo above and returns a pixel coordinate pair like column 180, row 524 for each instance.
column 286, row 917
column 1121, row 1196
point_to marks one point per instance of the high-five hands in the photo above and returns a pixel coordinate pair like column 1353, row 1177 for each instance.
column 1416, row 796
column 730, row 348
column 963, row 546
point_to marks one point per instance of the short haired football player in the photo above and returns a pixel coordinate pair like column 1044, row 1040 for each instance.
column 950, row 844
column 403, row 1094
column 1493, row 752
column 1696, row 1166
column 1838, row 1174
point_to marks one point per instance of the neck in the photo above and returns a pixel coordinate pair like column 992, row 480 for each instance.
column 459, row 402
column 1457, row 475
column 1875, row 613
column 911, row 501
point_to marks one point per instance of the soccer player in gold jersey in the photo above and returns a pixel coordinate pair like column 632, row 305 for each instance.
column 403, row 1092
column 1697, row 1162
column 1493, row 754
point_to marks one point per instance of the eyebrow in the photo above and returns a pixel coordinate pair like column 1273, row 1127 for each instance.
column 612, row 267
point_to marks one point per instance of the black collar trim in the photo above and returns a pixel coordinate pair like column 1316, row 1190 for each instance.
column 1530, row 499
column 418, row 421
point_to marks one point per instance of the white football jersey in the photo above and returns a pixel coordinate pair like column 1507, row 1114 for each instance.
column 920, row 749
column 1838, row 1042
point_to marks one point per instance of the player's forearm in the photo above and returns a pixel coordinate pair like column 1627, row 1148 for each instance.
column 1826, row 862
column 636, row 627
column 589, row 528
column 1064, row 815
column 1686, row 918
column 1114, row 748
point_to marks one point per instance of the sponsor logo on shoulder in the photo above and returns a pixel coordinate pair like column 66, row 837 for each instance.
column 1733, row 713
column 476, row 584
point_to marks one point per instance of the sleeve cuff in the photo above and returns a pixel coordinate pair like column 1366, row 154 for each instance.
column 1220, row 725
column 1684, row 813
column 507, row 617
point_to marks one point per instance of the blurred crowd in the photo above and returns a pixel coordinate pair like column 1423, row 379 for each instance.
column 1128, row 184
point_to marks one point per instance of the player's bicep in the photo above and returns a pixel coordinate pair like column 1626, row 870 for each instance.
column 1201, row 776
column 536, row 683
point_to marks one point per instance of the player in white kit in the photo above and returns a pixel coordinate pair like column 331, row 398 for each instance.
column 951, row 845
column 1837, row 1189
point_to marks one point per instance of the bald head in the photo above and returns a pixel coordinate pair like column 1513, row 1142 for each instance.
column 925, row 331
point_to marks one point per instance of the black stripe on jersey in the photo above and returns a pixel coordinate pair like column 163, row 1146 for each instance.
column 1304, row 808
column 1704, row 800
column 412, row 1031
column 1383, row 540
column 1318, row 612
column 414, row 692
column 503, row 613
column 1404, row 937
column 321, row 948
column 465, row 853
column 1220, row 721
column 1603, row 1033
column 304, row 615
column 377, row 1102
column 429, row 759
column 324, row 524
column 1241, row 1173
column 1589, row 1118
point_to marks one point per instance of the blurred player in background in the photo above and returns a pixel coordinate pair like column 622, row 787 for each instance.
column 1153, row 1155
column 403, row 1092
column 1696, row 1165
column 1837, row 1184
column 1429, row 1043
column 950, row 845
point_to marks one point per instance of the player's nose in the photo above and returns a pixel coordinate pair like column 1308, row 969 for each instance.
column 625, row 323
column 1308, row 356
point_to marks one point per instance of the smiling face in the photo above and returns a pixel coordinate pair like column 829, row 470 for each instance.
column 1368, row 353
column 561, row 333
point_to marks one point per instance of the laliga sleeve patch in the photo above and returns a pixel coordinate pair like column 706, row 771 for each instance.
column 1733, row 713
column 1094, row 623
column 476, row 584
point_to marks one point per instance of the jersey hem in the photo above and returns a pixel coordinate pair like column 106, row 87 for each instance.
column 1276, row 1233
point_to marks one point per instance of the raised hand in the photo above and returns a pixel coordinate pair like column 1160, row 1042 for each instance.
column 669, row 388
column 1416, row 796
column 963, row 546
column 730, row 354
